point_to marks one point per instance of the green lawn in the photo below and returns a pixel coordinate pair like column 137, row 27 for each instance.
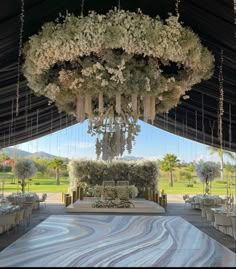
column 181, row 188
column 49, row 185
column 36, row 185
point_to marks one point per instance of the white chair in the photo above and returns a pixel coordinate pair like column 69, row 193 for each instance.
column 233, row 219
column 223, row 223
column 196, row 203
column 43, row 199
column 187, row 199
column 210, row 216
column 7, row 222
column 19, row 217
column 27, row 214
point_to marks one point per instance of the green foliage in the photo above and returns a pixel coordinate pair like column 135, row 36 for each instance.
column 185, row 175
column 42, row 165
column 3, row 156
column 190, row 185
column 220, row 152
column 139, row 173
column 24, row 169
column 190, row 168
column 169, row 162
column 207, row 171
column 57, row 164
column 115, row 191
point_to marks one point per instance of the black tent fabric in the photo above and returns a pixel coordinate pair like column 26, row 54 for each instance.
column 195, row 118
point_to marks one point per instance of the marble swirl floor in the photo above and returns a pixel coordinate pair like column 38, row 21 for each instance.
column 116, row 241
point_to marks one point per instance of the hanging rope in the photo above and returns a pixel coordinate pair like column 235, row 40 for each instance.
column 19, row 56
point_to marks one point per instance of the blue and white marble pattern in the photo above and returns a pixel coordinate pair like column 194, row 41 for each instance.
column 116, row 241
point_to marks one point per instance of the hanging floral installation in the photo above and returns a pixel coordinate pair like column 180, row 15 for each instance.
column 115, row 67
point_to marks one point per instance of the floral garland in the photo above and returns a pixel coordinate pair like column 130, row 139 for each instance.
column 120, row 62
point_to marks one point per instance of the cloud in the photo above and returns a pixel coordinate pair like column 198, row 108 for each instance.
column 206, row 158
column 152, row 157
column 81, row 145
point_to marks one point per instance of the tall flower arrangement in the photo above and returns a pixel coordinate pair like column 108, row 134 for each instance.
column 120, row 65
column 207, row 171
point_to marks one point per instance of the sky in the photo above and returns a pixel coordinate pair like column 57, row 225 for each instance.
column 151, row 143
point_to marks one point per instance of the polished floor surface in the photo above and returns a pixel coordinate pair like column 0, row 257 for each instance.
column 116, row 241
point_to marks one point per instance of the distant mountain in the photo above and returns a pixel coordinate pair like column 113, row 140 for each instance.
column 41, row 154
column 23, row 153
column 131, row 158
column 19, row 152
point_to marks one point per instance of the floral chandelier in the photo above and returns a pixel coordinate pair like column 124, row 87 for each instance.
column 114, row 69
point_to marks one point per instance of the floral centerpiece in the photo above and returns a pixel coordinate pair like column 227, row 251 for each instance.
column 120, row 65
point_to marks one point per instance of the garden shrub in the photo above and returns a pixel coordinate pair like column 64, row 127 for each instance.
column 143, row 174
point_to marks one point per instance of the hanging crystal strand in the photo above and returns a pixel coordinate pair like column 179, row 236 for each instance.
column 117, row 127
column 19, row 56
column 104, row 147
column 212, row 126
column 129, row 139
column 203, row 115
column 118, row 103
column 221, row 113
column 82, row 8
column 175, row 120
column 152, row 108
column 177, row 8
column 118, row 4
column 146, row 107
column 230, row 124
column 80, row 112
column 134, row 102
column 186, row 124
column 100, row 103
column 196, row 125
column 37, row 121
column 122, row 141
column 88, row 106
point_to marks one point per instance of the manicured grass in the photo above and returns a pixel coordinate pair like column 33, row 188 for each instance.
column 49, row 185
column 180, row 188
column 36, row 185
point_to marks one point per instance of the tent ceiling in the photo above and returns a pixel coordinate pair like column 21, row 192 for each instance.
column 195, row 118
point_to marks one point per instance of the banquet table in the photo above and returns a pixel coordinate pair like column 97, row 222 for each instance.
column 21, row 199
column 205, row 202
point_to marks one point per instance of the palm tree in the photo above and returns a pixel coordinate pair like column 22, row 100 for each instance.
column 169, row 162
column 221, row 154
column 57, row 164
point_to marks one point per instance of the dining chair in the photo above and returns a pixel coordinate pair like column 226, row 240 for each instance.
column 27, row 215
column 7, row 222
column 223, row 223
column 43, row 199
column 210, row 217
column 19, row 217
